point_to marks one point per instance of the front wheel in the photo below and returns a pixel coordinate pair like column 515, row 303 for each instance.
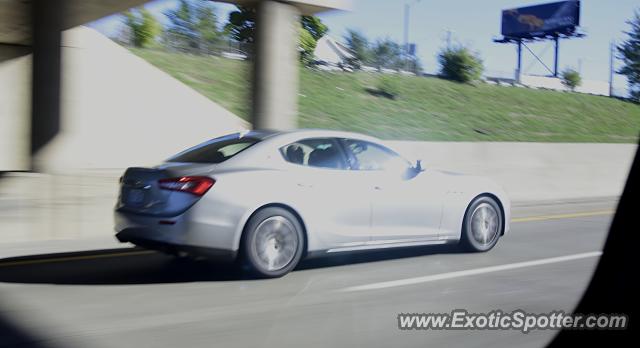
column 482, row 225
column 273, row 242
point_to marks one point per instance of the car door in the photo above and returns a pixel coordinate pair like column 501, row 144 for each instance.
column 404, row 207
column 336, row 204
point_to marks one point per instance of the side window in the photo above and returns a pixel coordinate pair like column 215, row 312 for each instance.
column 316, row 152
column 370, row 156
column 215, row 151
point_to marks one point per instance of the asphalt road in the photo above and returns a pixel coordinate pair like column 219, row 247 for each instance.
column 133, row 298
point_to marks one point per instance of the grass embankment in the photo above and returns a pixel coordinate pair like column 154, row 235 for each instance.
column 426, row 109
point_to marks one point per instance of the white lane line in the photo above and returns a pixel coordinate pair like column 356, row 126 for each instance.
column 563, row 216
column 469, row 272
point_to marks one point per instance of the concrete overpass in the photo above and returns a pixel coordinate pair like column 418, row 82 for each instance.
column 32, row 90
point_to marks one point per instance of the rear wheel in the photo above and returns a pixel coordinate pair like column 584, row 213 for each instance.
column 273, row 242
column 482, row 225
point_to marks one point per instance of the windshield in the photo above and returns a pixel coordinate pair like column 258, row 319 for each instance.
column 217, row 150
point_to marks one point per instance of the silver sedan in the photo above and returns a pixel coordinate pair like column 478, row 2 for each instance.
column 269, row 199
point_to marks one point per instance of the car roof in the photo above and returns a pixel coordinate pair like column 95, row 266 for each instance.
column 320, row 133
column 302, row 133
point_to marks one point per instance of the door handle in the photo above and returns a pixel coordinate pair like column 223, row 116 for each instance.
column 377, row 188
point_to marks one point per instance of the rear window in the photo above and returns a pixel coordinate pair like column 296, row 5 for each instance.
column 215, row 151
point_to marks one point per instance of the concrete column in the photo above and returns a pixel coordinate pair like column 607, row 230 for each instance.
column 275, row 74
column 46, row 77
column 15, row 104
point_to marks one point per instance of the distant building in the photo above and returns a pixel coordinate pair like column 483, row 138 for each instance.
column 332, row 55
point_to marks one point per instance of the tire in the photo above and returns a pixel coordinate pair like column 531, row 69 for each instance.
column 272, row 242
column 482, row 225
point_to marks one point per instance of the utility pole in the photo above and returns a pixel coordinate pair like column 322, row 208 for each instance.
column 407, row 18
column 407, row 8
column 612, row 70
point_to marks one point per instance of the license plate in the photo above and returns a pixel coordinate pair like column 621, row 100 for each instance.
column 135, row 197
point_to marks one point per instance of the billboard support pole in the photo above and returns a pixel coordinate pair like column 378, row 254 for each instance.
column 519, row 68
column 555, row 63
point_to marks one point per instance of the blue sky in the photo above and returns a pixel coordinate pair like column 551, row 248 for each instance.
column 473, row 23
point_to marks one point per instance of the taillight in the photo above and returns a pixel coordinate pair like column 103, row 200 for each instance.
column 197, row 185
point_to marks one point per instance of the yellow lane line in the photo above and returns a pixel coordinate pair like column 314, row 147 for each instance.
column 563, row 216
column 145, row 252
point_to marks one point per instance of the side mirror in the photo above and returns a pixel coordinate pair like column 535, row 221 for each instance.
column 418, row 166
column 413, row 171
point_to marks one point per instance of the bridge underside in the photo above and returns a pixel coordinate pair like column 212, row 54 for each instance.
column 30, row 66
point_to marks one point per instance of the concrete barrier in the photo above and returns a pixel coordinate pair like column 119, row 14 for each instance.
column 533, row 171
column 554, row 83
column 78, row 206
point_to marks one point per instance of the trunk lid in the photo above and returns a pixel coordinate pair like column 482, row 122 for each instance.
column 141, row 193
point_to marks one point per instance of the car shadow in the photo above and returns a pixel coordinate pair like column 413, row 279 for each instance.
column 131, row 266
column 18, row 335
column 342, row 259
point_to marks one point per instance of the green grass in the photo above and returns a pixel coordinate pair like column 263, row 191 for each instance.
column 426, row 108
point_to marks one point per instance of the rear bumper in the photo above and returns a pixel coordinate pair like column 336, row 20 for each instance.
column 180, row 234
column 140, row 237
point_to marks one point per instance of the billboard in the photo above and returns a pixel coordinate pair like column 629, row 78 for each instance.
column 541, row 20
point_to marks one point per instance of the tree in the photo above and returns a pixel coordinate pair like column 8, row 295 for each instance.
column 181, row 33
column 307, row 46
column 460, row 64
column 312, row 29
column 242, row 27
column 383, row 53
column 359, row 45
column 629, row 52
column 571, row 79
column 142, row 27
column 412, row 64
column 206, row 25
column 193, row 27
column 387, row 54
column 242, row 24
column 314, row 26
